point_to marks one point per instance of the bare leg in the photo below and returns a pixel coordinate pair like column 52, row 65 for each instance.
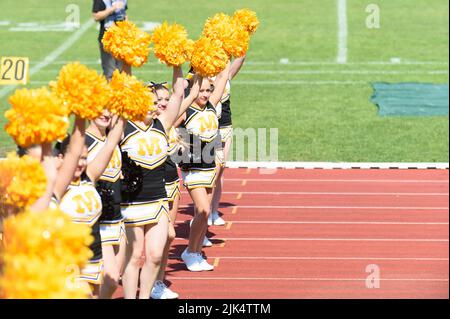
column 219, row 184
column 155, row 241
column 209, row 192
column 111, row 278
column 133, row 255
column 173, row 206
column 200, row 222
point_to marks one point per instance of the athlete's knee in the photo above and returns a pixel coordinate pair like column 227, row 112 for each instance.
column 136, row 256
column 171, row 233
column 155, row 256
column 204, row 212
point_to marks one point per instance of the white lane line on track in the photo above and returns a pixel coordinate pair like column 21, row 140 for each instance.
column 333, row 207
column 49, row 59
column 337, row 193
column 425, row 240
column 304, row 279
column 299, row 180
column 330, row 223
column 342, row 34
column 326, row 258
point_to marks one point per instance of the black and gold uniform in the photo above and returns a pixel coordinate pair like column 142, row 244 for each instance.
column 147, row 147
column 171, row 175
column 84, row 205
column 202, row 128
column 109, row 187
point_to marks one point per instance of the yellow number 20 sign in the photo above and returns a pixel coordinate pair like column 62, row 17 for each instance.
column 14, row 70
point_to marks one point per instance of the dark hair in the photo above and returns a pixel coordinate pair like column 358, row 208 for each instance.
column 21, row 151
column 61, row 146
column 158, row 86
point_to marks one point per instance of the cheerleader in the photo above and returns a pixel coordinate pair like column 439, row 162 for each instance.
column 226, row 133
column 162, row 96
column 199, row 170
column 81, row 201
column 144, row 202
column 102, row 147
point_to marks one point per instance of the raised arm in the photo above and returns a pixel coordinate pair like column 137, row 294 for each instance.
column 49, row 165
column 236, row 66
column 71, row 158
column 171, row 114
column 193, row 94
column 219, row 85
column 96, row 167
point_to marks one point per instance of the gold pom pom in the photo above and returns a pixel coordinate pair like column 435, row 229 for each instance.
column 130, row 97
column 208, row 57
column 36, row 117
column 85, row 92
column 233, row 36
column 248, row 19
column 171, row 45
column 22, row 181
column 126, row 42
column 42, row 254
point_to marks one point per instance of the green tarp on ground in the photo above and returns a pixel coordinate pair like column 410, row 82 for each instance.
column 422, row 99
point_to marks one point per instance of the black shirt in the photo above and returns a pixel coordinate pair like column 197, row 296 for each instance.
column 99, row 5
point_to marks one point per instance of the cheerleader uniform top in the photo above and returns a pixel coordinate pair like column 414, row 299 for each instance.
column 225, row 118
column 147, row 147
column 109, row 184
column 171, row 174
column 84, row 205
column 202, row 127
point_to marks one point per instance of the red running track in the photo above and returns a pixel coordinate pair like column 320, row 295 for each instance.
column 295, row 234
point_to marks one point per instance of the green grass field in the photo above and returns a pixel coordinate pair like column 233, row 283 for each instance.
column 322, row 109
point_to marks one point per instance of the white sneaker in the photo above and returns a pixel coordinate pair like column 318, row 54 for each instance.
column 161, row 291
column 191, row 261
column 203, row 263
column 207, row 242
column 216, row 219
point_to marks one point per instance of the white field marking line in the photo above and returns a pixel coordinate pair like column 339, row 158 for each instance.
column 342, row 31
column 327, row 258
column 298, row 180
column 298, row 72
column 337, row 193
column 305, row 279
column 55, row 54
column 335, row 165
column 274, row 82
column 328, row 239
column 265, row 63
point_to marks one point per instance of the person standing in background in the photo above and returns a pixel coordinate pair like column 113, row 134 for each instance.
column 108, row 12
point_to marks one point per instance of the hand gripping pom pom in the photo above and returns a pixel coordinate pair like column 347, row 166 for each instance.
column 171, row 45
column 82, row 90
column 22, row 181
column 235, row 39
column 42, row 254
column 37, row 116
column 247, row 19
column 208, row 57
column 126, row 42
column 130, row 98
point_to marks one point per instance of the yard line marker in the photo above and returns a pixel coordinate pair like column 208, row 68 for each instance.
column 239, row 195
column 216, row 262
column 49, row 59
column 228, row 225
column 234, row 210
column 342, row 31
